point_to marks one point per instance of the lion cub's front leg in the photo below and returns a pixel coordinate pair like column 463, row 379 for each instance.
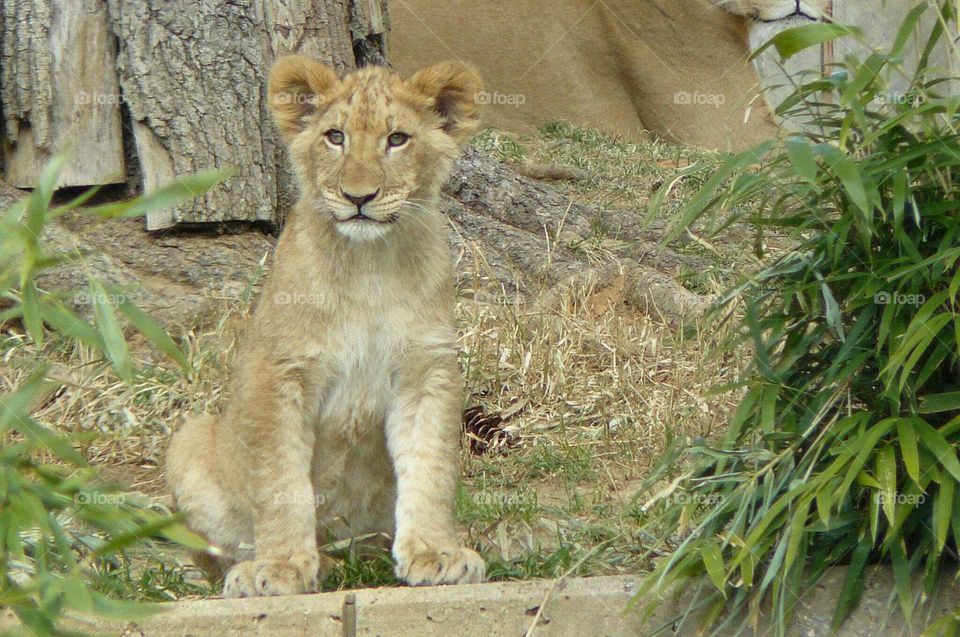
column 269, row 424
column 423, row 432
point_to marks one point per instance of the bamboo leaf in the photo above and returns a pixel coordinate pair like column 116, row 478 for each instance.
column 943, row 451
column 906, row 29
column 938, row 403
column 955, row 516
column 69, row 324
column 39, row 200
column 115, row 345
column 154, row 332
column 713, row 563
column 184, row 188
column 901, row 576
column 802, row 158
column 50, row 440
column 899, row 199
column 887, row 476
column 852, row 588
column 864, row 446
column 790, row 42
column 74, row 203
column 797, row 533
column 77, row 595
column 866, row 75
column 32, row 315
column 942, row 512
column 852, row 179
column 832, row 312
column 694, row 207
column 824, row 504
column 908, row 448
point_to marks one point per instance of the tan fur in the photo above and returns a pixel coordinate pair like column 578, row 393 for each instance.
column 774, row 10
column 624, row 66
column 345, row 400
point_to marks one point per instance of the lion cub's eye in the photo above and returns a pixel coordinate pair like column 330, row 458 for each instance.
column 395, row 140
column 334, row 136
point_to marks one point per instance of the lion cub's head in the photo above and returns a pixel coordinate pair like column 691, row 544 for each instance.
column 370, row 149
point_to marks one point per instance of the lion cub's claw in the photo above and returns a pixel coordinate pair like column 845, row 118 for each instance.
column 429, row 567
column 272, row 577
column 238, row 582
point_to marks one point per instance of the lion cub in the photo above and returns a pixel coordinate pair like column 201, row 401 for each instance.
column 344, row 411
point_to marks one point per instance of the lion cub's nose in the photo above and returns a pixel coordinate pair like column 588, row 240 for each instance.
column 359, row 200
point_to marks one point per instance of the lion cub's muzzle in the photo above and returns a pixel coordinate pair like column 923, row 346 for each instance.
column 362, row 209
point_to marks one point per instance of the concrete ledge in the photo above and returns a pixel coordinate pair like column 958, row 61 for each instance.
column 587, row 607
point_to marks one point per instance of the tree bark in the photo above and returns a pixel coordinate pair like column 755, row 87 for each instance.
column 59, row 93
column 193, row 74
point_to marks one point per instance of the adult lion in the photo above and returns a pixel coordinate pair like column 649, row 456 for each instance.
column 770, row 11
column 880, row 22
column 677, row 68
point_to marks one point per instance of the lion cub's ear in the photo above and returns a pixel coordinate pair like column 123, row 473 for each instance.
column 297, row 88
column 453, row 86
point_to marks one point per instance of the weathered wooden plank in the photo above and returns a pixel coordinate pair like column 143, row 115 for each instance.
column 59, row 91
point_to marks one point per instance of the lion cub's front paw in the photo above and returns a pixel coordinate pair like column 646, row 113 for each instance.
column 263, row 577
column 274, row 577
column 430, row 566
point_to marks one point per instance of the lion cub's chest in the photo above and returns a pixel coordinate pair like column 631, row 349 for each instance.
column 360, row 363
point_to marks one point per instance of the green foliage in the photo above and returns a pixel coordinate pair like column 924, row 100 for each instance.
column 844, row 447
column 58, row 528
column 368, row 570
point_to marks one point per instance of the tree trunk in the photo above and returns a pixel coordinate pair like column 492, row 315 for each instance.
column 58, row 90
column 193, row 74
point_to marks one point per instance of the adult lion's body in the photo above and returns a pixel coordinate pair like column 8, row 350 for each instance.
column 344, row 412
column 677, row 68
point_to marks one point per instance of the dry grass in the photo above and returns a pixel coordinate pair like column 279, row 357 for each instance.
column 626, row 174
column 593, row 391
column 601, row 389
column 123, row 427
